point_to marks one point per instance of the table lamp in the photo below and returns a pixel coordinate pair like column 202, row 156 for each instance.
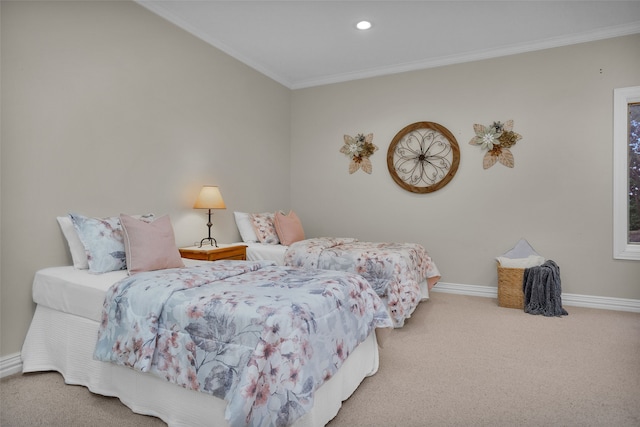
column 209, row 198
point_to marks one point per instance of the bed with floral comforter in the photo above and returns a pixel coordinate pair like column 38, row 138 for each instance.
column 260, row 336
column 394, row 270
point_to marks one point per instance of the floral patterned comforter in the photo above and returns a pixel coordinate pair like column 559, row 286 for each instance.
column 260, row 336
column 394, row 270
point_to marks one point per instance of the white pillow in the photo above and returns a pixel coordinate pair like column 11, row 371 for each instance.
column 245, row 227
column 78, row 254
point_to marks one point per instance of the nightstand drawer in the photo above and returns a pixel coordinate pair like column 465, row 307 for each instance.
column 209, row 253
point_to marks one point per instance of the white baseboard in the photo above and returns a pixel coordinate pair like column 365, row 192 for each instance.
column 606, row 303
column 11, row 364
column 574, row 300
column 454, row 288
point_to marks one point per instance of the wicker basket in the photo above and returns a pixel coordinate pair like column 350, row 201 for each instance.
column 510, row 292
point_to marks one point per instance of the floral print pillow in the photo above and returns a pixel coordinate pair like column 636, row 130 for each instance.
column 265, row 228
column 103, row 241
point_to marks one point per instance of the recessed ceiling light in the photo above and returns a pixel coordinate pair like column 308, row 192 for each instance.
column 363, row 25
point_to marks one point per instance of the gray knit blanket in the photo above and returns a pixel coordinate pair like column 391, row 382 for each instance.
column 542, row 290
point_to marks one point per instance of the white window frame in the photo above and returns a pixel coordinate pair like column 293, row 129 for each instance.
column 622, row 97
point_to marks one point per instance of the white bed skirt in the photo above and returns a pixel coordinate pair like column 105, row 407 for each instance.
column 62, row 342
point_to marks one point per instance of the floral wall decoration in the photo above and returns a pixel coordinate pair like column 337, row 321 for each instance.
column 497, row 139
column 359, row 149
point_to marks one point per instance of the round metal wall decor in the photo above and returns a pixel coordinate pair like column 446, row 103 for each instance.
column 423, row 157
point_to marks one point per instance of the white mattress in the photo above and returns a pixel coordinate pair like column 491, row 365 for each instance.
column 75, row 291
column 263, row 251
column 62, row 337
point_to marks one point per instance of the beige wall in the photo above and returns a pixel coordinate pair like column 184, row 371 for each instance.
column 558, row 196
column 107, row 108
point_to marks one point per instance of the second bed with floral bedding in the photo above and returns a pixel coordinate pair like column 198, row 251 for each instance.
column 401, row 273
column 394, row 270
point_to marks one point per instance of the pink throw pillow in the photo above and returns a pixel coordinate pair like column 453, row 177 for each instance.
column 149, row 246
column 289, row 228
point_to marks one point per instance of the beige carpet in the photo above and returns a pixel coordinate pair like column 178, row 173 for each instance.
column 459, row 361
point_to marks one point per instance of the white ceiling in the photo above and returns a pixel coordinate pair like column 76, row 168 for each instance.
column 309, row 43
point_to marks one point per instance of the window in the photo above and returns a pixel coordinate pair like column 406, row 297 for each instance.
column 626, row 173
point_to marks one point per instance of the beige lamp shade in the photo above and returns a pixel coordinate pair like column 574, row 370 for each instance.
column 209, row 198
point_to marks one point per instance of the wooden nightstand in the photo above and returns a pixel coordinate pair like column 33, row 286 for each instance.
column 211, row 253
